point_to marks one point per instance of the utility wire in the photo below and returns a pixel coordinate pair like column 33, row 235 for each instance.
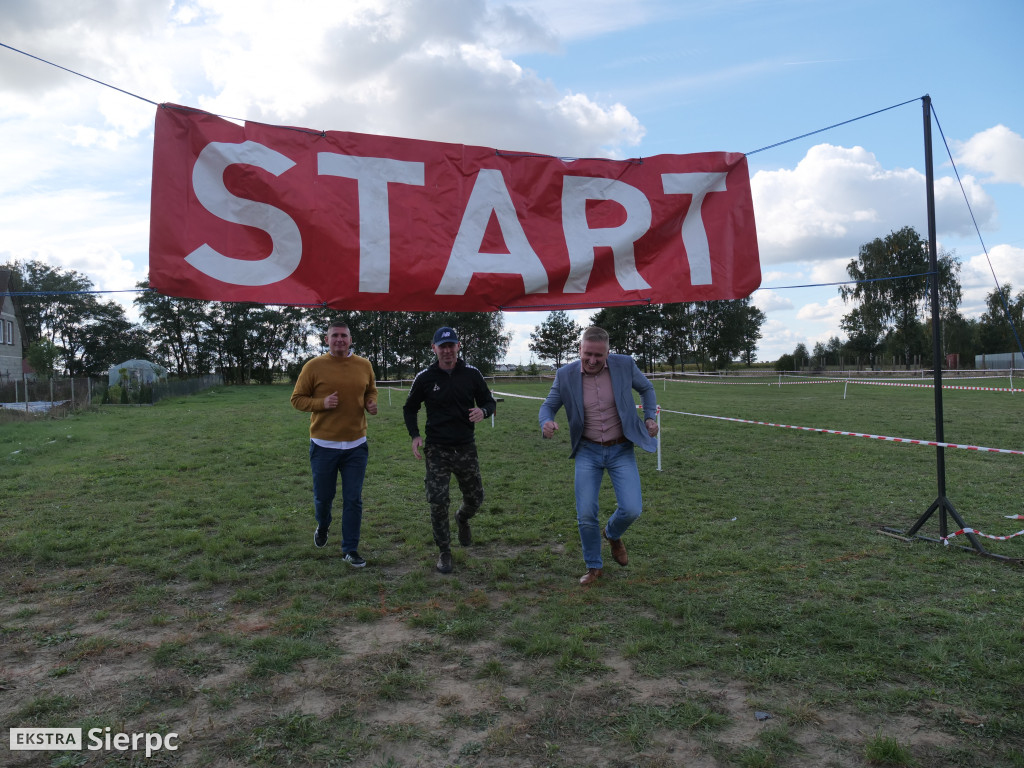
column 984, row 248
column 844, row 282
column 79, row 74
column 753, row 152
column 835, row 125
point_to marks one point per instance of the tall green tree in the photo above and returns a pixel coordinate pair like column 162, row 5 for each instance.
column 1002, row 322
column 557, row 338
column 88, row 334
column 834, row 351
column 633, row 330
column 801, row 356
column 42, row 355
column 723, row 330
column 382, row 338
column 108, row 338
column 178, row 331
column 482, row 336
column 749, row 320
column 253, row 342
column 401, row 340
column 891, row 294
column 484, row 339
column 59, row 298
column 677, row 332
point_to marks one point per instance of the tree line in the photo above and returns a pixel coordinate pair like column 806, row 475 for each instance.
column 69, row 331
column 709, row 334
column 891, row 314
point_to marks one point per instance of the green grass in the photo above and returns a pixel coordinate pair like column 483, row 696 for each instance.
column 159, row 574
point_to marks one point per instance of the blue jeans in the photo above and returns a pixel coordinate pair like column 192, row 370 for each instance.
column 327, row 464
column 592, row 461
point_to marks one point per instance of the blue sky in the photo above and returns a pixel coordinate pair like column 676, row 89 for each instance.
column 596, row 78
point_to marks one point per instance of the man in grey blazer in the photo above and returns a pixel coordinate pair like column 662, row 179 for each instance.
column 596, row 391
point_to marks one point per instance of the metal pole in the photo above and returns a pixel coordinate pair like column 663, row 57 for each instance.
column 941, row 504
column 933, row 266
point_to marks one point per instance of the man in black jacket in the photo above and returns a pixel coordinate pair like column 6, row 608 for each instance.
column 456, row 397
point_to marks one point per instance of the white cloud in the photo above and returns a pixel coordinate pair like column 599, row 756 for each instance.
column 838, row 198
column 997, row 151
column 601, row 17
column 778, row 338
column 76, row 155
column 979, row 276
column 831, row 312
column 831, row 271
column 391, row 67
column 770, row 301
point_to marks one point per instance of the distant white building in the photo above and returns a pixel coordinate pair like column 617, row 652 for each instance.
column 1000, row 361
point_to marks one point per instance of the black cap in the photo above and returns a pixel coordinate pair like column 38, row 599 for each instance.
column 445, row 335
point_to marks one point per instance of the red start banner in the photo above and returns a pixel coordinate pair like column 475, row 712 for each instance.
column 281, row 215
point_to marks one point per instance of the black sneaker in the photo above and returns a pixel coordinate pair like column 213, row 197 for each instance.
column 353, row 559
column 319, row 539
column 444, row 563
column 465, row 533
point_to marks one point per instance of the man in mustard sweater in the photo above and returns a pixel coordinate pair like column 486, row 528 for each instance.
column 338, row 389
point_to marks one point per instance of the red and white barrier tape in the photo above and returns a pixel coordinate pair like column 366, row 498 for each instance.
column 932, row 386
column 964, row 531
column 711, row 380
column 845, row 381
column 908, row 440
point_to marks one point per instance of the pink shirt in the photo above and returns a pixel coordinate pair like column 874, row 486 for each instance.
column 600, row 416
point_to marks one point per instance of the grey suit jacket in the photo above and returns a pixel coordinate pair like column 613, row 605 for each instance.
column 568, row 391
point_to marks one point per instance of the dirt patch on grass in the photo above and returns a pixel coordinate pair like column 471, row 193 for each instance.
column 380, row 692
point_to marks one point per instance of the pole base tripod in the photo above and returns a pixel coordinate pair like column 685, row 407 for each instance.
column 944, row 506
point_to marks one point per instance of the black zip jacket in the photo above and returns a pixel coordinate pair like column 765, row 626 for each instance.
column 449, row 395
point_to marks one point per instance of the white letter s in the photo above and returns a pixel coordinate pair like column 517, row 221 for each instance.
column 208, row 182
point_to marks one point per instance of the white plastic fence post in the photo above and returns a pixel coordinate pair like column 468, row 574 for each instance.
column 658, row 416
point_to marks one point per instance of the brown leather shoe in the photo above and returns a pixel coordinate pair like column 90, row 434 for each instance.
column 592, row 575
column 618, row 549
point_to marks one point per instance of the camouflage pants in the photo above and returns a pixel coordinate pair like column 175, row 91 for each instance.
column 442, row 462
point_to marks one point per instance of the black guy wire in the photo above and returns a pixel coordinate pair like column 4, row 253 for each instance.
column 541, row 306
column 579, row 305
column 836, row 125
column 72, row 293
column 79, row 74
column 999, row 287
column 844, row 282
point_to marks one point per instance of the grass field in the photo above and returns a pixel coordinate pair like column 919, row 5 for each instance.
column 159, row 576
